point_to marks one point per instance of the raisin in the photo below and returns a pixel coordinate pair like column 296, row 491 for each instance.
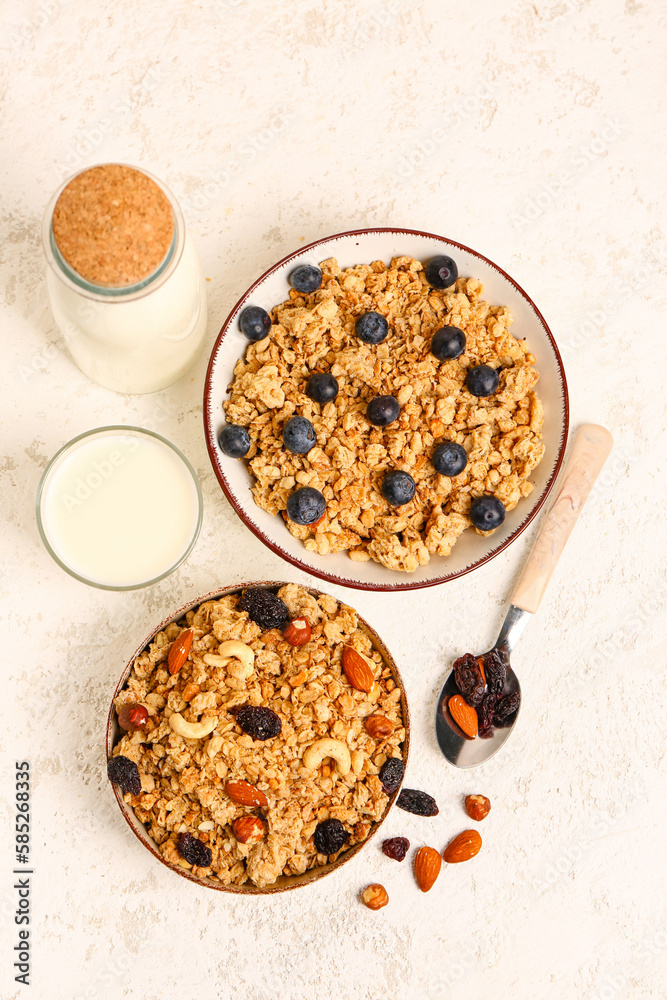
column 260, row 723
column 469, row 679
column 124, row 773
column 391, row 774
column 496, row 672
column 414, row 801
column 396, row 847
column 506, row 709
column 485, row 714
column 330, row 836
column 264, row 607
column 193, row 851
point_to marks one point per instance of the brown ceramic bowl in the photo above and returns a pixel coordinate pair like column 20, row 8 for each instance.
column 361, row 247
column 285, row 882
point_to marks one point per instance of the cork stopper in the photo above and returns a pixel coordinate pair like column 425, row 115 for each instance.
column 113, row 225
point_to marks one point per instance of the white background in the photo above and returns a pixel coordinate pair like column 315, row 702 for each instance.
column 533, row 132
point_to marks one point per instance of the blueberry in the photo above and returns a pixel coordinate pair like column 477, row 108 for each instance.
column 306, row 505
column 398, row 488
column 441, row 272
column 372, row 328
column 449, row 458
column 322, row 387
column 305, row 279
column 487, row 513
column 299, row 435
column 255, row 323
column 383, row 410
column 448, row 342
column 234, row 440
column 482, row 380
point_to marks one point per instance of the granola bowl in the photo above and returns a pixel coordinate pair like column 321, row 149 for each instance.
column 512, row 438
column 207, row 782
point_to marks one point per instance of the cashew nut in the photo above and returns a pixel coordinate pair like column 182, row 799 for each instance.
column 233, row 650
column 328, row 747
column 191, row 730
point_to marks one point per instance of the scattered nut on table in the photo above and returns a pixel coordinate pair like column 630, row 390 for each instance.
column 375, row 896
column 477, row 806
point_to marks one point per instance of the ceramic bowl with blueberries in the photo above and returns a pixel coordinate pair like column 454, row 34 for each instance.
column 497, row 523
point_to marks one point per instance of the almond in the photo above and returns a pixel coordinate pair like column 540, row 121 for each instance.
column 245, row 794
column 179, row 651
column 248, row 829
column 464, row 715
column 375, row 896
column 357, row 670
column 477, row 806
column 427, row 867
column 297, row 632
column 378, row 726
column 480, row 664
column 462, row 848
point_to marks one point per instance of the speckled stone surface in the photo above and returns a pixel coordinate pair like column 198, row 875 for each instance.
column 533, row 132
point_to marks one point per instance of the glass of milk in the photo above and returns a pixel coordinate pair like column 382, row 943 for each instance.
column 119, row 507
column 123, row 278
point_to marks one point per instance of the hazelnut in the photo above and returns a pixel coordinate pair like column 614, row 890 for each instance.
column 375, row 896
column 477, row 806
column 248, row 829
column 132, row 717
column 378, row 726
column 297, row 632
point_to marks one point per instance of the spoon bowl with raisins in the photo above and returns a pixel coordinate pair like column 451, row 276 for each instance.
column 480, row 701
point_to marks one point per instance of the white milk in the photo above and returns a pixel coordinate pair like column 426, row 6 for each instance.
column 119, row 508
column 140, row 345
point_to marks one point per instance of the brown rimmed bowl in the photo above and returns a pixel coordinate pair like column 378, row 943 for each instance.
column 363, row 246
column 284, row 882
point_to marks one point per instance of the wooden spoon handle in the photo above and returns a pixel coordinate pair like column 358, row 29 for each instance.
column 589, row 452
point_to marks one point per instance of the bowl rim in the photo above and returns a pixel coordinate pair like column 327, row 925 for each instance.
column 285, row 882
column 323, row 574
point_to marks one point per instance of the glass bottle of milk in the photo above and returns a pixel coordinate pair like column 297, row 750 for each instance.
column 124, row 279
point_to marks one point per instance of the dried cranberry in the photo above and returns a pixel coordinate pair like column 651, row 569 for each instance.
column 391, row 774
column 260, row 723
column 396, row 847
column 506, row 709
column 485, row 714
column 264, row 607
column 124, row 773
column 496, row 672
column 469, row 679
column 330, row 836
column 193, row 851
column 414, row 801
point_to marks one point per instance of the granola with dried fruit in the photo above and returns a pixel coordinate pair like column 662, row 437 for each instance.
column 184, row 781
column 311, row 333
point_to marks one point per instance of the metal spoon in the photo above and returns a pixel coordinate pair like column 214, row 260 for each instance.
column 589, row 452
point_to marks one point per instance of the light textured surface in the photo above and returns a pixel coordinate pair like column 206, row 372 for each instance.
column 533, row 132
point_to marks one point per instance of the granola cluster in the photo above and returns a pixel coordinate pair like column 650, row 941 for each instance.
column 310, row 333
column 183, row 781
